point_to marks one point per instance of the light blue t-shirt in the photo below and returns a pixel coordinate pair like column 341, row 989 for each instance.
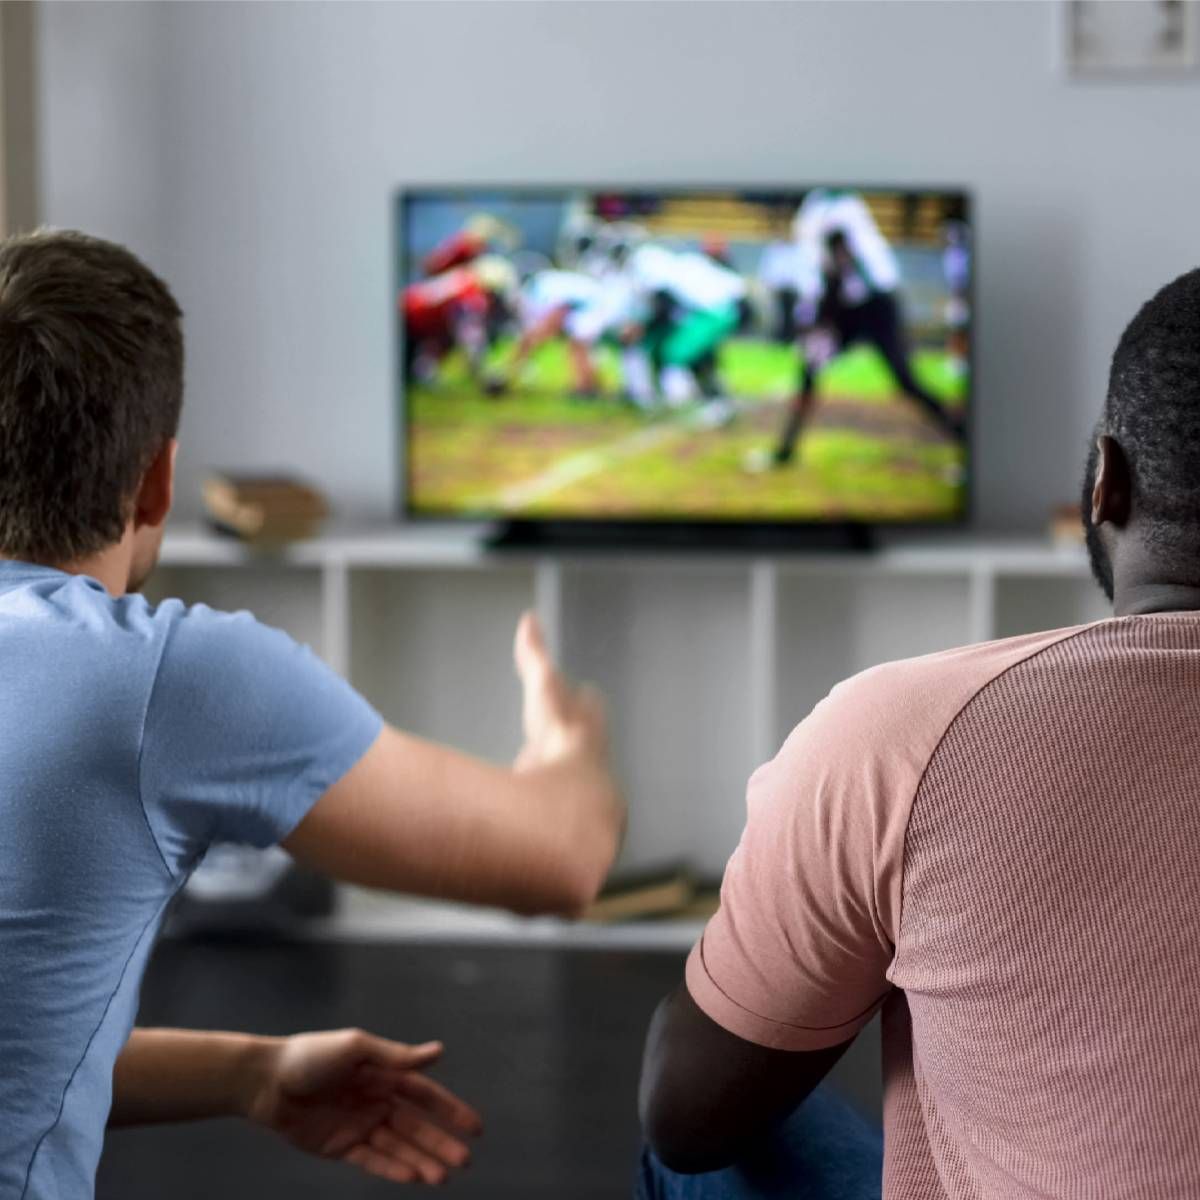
column 132, row 737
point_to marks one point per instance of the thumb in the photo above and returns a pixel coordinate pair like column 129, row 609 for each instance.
column 397, row 1056
column 529, row 649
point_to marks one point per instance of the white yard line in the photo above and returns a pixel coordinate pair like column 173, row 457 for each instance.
column 599, row 458
column 587, row 462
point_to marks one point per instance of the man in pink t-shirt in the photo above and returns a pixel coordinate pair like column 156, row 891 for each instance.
column 998, row 848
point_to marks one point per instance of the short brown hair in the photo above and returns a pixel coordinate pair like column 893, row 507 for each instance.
column 91, row 386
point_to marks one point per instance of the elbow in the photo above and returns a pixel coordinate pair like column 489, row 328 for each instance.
column 581, row 872
column 572, row 878
column 681, row 1146
column 568, row 890
column 672, row 1151
column 686, row 1160
column 684, row 1123
column 575, row 858
column 581, row 892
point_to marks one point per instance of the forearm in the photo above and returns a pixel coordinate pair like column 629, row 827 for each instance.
column 705, row 1094
column 532, row 840
column 167, row 1075
column 537, row 838
column 540, row 836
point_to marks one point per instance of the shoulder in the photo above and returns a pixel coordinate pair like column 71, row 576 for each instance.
column 917, row 698
column 197, row 628
column 207, row 647
column 92, row 623
column 848, row 774
column 87, row 606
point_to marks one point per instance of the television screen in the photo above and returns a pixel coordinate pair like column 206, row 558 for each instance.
column 681, row 355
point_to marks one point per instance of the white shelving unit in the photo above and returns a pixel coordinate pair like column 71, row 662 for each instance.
column 707, row 659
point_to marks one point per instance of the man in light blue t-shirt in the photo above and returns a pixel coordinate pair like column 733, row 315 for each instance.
column 133, row 737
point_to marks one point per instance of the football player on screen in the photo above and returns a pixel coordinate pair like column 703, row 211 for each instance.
column 454, row 310
column 848, row 285
column 956, row 267
column 545, row 305
column 690, row 305
column 779, row 270
column 480, row 234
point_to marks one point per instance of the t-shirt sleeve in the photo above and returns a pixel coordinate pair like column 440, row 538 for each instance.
column 245, row 729
column 796, row 958
column 798, row 955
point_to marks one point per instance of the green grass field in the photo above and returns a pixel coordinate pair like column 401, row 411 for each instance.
column 869, row 452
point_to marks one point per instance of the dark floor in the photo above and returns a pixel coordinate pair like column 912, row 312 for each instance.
column 545, row 1042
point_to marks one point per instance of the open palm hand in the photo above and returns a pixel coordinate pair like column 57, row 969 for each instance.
column 351, row 1096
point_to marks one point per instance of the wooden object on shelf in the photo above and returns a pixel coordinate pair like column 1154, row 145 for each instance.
column 264, row 508
column 703, row 904
column 662, row 893
column 1066, row 528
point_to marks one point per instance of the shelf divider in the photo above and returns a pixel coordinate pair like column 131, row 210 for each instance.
column 981, row 602
column 335, row 614
column 763, row 657
column 548, row 603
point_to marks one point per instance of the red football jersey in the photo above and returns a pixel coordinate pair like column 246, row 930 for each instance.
column 454, row 252
column 431, row 304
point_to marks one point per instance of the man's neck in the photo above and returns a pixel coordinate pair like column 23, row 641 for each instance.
column 1141, row 597
column 1151, row 579
column 110, row 567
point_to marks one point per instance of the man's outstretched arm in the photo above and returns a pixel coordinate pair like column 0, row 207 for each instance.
column 540, row 836
column 706, row 1094
column 410, row 816
column 343, row 1095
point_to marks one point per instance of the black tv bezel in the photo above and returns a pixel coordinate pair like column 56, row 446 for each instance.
column 702, row 532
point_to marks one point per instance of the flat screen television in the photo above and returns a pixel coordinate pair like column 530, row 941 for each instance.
column 710, row 360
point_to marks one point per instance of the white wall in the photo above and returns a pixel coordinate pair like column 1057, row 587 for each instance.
column 249, row 151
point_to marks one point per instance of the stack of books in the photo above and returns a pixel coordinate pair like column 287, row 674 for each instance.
column 667, row 893
column 264, row 509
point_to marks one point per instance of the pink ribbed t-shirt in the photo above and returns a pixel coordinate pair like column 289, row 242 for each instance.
column 1000, row 847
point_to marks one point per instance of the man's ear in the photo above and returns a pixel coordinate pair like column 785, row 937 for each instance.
column 1112, row 490
column 158, row 488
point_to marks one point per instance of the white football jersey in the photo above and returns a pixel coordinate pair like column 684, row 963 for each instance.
column 613, row 304
column 781, row 265
column 547, row 290
column 825, row 211
column 691, row 279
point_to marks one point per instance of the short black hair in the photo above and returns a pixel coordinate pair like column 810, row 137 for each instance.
column 91, row 387
column 1153, row 411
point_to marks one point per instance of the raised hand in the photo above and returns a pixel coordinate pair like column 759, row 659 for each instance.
column 558, row 720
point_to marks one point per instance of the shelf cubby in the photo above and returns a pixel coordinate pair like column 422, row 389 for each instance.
column 706, row 660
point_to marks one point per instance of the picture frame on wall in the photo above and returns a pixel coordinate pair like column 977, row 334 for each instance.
column 1132, row 39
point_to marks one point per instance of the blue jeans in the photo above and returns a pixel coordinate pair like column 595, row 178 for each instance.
column 823, row 1151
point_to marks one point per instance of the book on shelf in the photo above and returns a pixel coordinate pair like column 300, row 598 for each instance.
column 263, row 508
column 703, row 904
column 663, row 893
